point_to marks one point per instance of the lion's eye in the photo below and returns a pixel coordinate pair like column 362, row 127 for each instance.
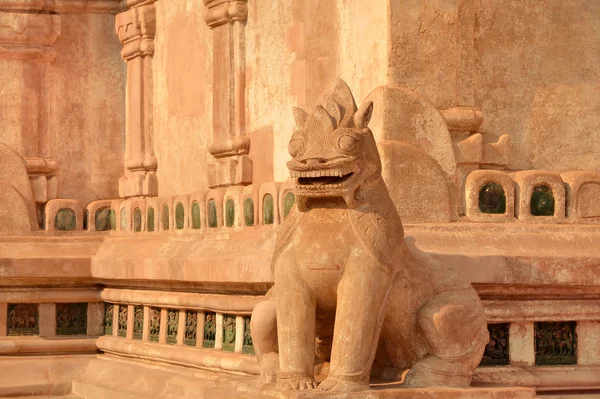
column 347, row 143
column 296, row 147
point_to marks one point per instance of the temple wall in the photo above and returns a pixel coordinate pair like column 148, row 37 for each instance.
column 63, row 97
column 84, row 108
column 538, row 79
column 294, row 52
column 182, row 75
column 530, row 67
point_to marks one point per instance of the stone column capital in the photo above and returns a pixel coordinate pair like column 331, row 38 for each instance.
column 136, row 29
column 221, row 12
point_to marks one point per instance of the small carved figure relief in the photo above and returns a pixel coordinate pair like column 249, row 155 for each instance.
column 108, row 318
column 172, row 324
column 344, row 273
column 191, row 326
column 228, row 330
column 71, row 318
column 496, row 351
column 555, row 343
column 154, row 328
column 210, row 330
column 122, row 331
column 138, row 322
column 22, row 319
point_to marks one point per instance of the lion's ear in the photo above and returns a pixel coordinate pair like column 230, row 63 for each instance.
column 363, row 115
column 300, row 116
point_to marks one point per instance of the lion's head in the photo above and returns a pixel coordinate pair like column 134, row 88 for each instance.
column 333, row 151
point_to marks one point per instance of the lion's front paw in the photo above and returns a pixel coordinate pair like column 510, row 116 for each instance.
column 296, row 383
column 338, row 385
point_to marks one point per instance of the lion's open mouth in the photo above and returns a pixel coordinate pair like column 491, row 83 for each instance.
column 320, row 178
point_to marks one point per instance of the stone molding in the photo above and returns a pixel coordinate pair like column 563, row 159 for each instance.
column 32, row 345
column 188, row 356
column 27, row 36
column 221, row 12
column 462, row 119
column 63, row 6
column 136, row 29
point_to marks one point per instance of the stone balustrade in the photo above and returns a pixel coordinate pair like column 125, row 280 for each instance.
column 54, row 320
column 533, row 342
column 197, row 330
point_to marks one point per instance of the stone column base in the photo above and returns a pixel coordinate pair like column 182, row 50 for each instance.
column 230, row 171
column 138, row 184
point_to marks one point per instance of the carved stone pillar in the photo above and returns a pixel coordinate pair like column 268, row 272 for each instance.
column 230, row 144
column 136, row 28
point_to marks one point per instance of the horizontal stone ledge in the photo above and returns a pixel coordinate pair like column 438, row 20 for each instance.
column 541, row 310
column 41, row 345
column 49, row 296
column 543, row 378
column 64, row 6
column 229, row 304
column 206, row 359
column 393, row 391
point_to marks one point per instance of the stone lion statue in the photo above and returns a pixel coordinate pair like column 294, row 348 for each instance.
column 345, row 277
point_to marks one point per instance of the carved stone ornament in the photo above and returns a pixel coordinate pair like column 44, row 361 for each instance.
column 136, row 29
column 221, row 12
column 341, row 259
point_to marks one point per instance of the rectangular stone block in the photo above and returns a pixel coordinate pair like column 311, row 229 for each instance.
column 588, row 342
column 95, row 318
column 47, row 314
column 521, row 344
column 3, row 318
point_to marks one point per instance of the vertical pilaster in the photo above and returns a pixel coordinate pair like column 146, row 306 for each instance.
column 136, row 29
column 130, row 320
column 162, row 335
column 181, row 327
column 115, row 325
column 521, row 344
column 146, row 325
column 3, row 319
column 95, row 318
column 239, row 334
column 47, row 315
column 230, row 144
column 219, row 332
column 588, row 342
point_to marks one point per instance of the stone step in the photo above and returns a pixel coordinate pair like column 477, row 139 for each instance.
column 94, row 391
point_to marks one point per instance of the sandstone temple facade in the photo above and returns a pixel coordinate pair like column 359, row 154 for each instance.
column 143, row 182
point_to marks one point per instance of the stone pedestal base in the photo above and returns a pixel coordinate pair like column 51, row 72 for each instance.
column 230, row 171
column 138, row 184
column 394, row 391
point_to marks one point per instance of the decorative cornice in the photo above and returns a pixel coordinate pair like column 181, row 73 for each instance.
column 28, row 36
column 136, row 29
column 64, row 6
column 221, row 12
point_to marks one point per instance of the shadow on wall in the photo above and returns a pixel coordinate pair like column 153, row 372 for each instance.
column 17, row 207
column 417, row 156
column 261, row 154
